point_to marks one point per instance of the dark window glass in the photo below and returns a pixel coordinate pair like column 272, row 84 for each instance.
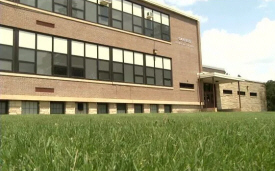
column 139, row 70
column 5, row 52
column 30, row 108
column 137, row 29
column 118, row 77
column 45, row 4
column 63, row 2
column 60, row 9
column 78, row 4
column 150, row 72
column 60, row 70
column 5, row 65
column 81, row 108
column 78, row 13
column 139, row 80
column 121, row 108
column 4, row 107
column 117, row 24
column 91, row 69
column 60, row 59
column 103, row 15
column 102, row 108
column 149, row 32
column 78, row 72
column 150, row 81
column 149, row 28
column 103, row 65
column 137, row 21
column 91, row 12
column 168, row 83
column 77, row 62
column 128, row 73
column 138, row 108
column 117, row 15
column 103, row 20
column 241, row 93
column 166, row 37
column 26, row 55
column 104, row 75
column 157, row 30
column 117, row 67
column 127, row 22
column 167, row 74
column 28, row 2
column 187, row 85
column 165, row 32
column 167, row 109
column 26, row 67
column 227, row 92
column 57, row 108
column 253, row 94
column 159, row 77
column 153, row 108
column 44, row 63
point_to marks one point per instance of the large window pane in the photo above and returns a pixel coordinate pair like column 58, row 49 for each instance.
column 167, row 109
column 139, row 79
column 44, row 63
column 26, row 67
column 138, row 108
column 121, row 108
column 5, row 65
column 117, row 77
column 150, row 81
column 28, row 2
column 91, row 12
column 3, row 107
column 60, row 70
column 127, row 22
column 102, row 108
column 167, row 74
column 157, row 30
column 117, row 67
column 5, row 52
column 81, row 108
column 57, row 108
column 153, row 108
column 104, row 75
column 103, row 15
column 60, row 59
column 159, row 77
column 77, row 62
column 78, row 72
column 60, row 9
column 78, row 4
column 103, row 20
column 91, row 69
column 103, row 66
column 150, row 72
column 45, row 4
column 78, row 13
column 138, row 70
column 26, row 55
column 128, row 73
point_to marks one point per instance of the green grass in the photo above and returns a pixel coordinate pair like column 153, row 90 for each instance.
column 202, row 141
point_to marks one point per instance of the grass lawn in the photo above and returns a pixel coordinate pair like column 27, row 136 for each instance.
column 201, row 141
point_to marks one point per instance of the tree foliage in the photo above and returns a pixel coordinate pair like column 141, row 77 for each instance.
column 270, row 95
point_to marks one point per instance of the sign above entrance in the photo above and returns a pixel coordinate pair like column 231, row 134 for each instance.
column 184, row 42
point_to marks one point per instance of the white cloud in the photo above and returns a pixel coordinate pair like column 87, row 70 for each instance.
column 251, row 55
column 201, row 18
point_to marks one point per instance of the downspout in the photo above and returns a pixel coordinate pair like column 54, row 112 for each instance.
column 200, row 62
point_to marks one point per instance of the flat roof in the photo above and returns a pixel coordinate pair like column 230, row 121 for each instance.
column 172, row 9
column 212, row 67
column 218, row 77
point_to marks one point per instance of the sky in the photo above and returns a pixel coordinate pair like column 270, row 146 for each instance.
column 237, row 35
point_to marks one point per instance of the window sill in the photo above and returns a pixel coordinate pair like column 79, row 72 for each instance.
column 186, row 89
column 18, row 5
column 82, row 80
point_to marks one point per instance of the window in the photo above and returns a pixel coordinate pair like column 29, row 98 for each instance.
column 26, row 52
column 81, row 108
column 150, row 71
column 102, row 108
column 117, row 14
column 91, row 61
column 138, row 108
column 253, row 94
column 6, row 49
column 78, row 9
column 148, row 23
column 57, row 108
column 157, row 25
column 28, row 2
column 4, row 107
column 45, row 4
column 128, row 66
column 165, row 28
column 103, row 15
column 121, row 108
column 167, row 109
column 137, row 19
column 91, row 10
column 187, row 86
column 60, row 6
column 242, row 93
column 118, row 65
column 159, row 71
column 77, row 59
column 127, row 16
column 153, row 108
column 227, row 92
column 44, row 55
column 60, row 58
column 103, row 63
column 139, row 68
column 30, row 108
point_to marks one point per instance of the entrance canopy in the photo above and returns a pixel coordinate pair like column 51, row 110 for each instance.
column 218, row 78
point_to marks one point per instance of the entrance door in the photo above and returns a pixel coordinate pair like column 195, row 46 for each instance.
column 208, row 96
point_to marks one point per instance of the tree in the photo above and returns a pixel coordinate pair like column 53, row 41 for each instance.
column 270, row 95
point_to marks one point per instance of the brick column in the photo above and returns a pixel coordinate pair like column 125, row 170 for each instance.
column 70, row 108
column 15, row 107
column 44, row 108
column 130, row 108
column 146, row 108
column 92, row 108
column 161, row 108
column 112, row 108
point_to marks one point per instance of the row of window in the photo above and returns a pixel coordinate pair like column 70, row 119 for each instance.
column 119, row 14
column 34, row 53
column 30, row 107
column 252, row 94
